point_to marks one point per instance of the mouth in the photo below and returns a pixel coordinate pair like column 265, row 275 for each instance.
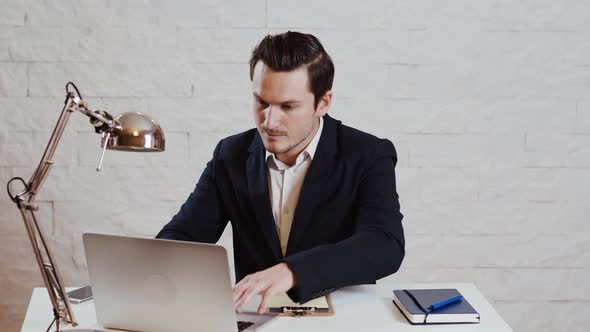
column 274, row 135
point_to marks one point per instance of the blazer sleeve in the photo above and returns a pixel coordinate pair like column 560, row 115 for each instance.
column 375, row 249
column 202, row 217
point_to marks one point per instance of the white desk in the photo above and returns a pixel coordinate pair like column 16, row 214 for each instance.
column 359, row 308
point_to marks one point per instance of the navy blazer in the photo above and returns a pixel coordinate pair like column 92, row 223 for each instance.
column 347, row 228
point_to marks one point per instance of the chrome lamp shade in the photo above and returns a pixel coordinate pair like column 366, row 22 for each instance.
column 136, row 132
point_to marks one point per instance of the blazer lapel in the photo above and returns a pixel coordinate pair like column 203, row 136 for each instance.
column 257, row 179
column 314, row 187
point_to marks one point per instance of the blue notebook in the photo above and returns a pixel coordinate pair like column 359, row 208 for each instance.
column 414, row 304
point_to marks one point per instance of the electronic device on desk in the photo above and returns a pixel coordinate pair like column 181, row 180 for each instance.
column 155, row 285
column 434, row 306
column 80, row 295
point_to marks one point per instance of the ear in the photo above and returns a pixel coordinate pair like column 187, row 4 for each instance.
column 324, row 104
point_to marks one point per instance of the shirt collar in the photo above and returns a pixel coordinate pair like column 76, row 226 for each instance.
column 309, row 150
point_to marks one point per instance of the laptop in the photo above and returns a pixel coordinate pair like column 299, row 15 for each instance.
column 154, row 285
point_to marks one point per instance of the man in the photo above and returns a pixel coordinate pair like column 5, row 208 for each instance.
column 312, row 203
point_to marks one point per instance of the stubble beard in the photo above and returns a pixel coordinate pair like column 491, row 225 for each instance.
column 292, row 146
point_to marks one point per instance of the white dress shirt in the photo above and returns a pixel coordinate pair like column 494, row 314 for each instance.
column 284, row 185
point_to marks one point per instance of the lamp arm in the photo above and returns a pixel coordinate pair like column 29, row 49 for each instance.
column 25, row 202
column 62, row 309
column 45, row 164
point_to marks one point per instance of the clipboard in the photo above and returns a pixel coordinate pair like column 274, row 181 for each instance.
column 292, row 309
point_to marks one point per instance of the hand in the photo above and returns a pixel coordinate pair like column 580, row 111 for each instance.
column 274, row 280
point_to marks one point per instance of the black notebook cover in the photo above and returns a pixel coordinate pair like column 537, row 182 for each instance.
column 459, row 312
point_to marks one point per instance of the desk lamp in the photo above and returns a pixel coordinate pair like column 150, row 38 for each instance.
column 131, row 131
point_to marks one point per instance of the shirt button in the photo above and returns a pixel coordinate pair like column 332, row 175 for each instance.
column 286, row 210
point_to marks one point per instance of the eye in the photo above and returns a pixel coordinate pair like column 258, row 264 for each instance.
column 287, row 107
column 261, row 103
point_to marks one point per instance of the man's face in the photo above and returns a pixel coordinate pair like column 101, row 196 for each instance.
column 284, row 109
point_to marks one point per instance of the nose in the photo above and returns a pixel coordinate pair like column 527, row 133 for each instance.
column 272, row 117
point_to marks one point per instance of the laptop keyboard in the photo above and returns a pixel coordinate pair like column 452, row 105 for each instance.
column 244, row 325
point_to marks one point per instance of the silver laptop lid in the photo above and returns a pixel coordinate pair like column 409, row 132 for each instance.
column 156, row 285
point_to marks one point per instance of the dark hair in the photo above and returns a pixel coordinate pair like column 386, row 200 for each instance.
column 290, row 50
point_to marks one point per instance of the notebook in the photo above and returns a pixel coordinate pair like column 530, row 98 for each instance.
column 416, row 309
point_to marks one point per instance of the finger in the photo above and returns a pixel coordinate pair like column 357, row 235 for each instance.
column 239, row 288
column 247, row 296
column 268, row 294
column 264, row 302
column 253, row 290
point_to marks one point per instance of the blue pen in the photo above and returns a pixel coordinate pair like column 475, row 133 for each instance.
column 444, row 303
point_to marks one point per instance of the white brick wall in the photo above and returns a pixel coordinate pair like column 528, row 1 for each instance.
column 487, row 103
